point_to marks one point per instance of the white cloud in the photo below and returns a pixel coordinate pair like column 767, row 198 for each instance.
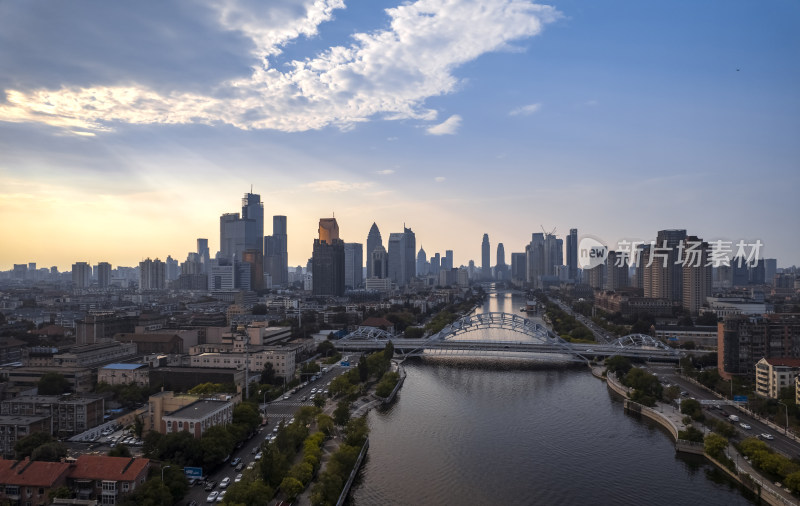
column 335, row 186
column 525, row 110
column 386, row 73
column 439, row 179
column 385, row 172
column 448, row 127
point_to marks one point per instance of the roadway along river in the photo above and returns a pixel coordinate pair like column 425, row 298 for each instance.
column 500, row 434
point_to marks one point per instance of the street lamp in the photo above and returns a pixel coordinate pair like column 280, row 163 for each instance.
column 786, row 429
column 162, row 472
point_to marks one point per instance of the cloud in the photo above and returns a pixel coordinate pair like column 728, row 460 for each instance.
column 448, row 127
column 525, row 110
column 387, row 73
column 439, row 179
column 335, row 186
column 385, row 172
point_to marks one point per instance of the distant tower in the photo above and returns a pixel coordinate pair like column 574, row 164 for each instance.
column 402, row 263
column 81, row 274
column 572, row 254
column 103, row 275
column 373, row 241
column 204, row 254
column 276, row 256
column 328, row 260
column 422, row 261
column 501, row 269
column 486, row 266
column 353, row 265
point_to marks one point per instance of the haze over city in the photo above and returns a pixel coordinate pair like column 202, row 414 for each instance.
column 127, row 129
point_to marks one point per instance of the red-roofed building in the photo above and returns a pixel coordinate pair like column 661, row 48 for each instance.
column 773, row 374
column 26, row 482
column 106, row 478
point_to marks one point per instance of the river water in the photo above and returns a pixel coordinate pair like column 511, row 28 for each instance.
column 499, row 432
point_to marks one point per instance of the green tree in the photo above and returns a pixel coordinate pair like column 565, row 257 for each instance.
column 619, row 365
column 138, row 426
column 793, row 481
column 253, row 493
column 692, row 408
column 24, row 447
column 49, row 452
column 319, row 401
column 326, row 348
column 53, row 383
column 120, row 451
column 691, row 434
column 176, row 482
column 715, row 444
column 363, row 371
column 325, row 424
column 302, row 472
column 291, row 487
column 268, row 374
column 246, row 414
column 273, row 466
column 216, row 443
column 342, row 413
column 356, row 431
column 259, row 309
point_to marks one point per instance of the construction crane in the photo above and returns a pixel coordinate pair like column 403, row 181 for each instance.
column 553, row 232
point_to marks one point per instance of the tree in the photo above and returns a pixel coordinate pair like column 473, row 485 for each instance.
column 691, row 434
column 325, row 348
column 363, row 371
column 692, row 408
column 246, row 414
column 253, row 493
column 291, row 487
column 715, row 444
column 259, row 309
column 25, row 446
column 138, row 426
column 176, row 482
column 707, row 319
column 268, row 374
column 49, row 452
column 356, row 431
column 53, row 383
column 120, row 451
column 342, row 413
column 319, row 401
column 325, row 424
column 619, row 365
column 216, row 443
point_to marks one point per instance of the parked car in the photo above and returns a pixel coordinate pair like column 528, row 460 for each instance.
column 210, row 484
column 235, row 462
column 225, row 482
column 212, row 496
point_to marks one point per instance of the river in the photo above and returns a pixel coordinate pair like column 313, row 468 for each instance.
column 501, row 433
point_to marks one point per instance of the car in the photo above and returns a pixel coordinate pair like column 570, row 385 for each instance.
column 764, row 435
column 225, row 482
column 255, row 449
column 210, row 485
column 238, row 478
column 235, row 462
column 240, row 466
column 192, row 503
column 287, row 397
column 221, row 496
column 251, row 466
column 745, row 426
column 212, row 496
column 258, row 456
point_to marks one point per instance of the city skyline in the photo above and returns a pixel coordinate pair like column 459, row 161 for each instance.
column 129, row 140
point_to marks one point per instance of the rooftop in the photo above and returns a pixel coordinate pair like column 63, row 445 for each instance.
column 198, row 410
column 101, row 467
column 32, row 474
column 128, row 367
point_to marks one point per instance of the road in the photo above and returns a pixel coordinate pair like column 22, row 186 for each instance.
column 781, row 444
column 276, row 411
column 601, row 335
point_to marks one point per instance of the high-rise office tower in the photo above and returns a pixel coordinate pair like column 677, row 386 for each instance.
column 152, row 275
column 757, row 272
column 276, row 255
column 253, row 211
column 436, row 264
column 616, row 272
column 518, row 264
column 664, row 275
column 553, row 254
column 353, row 264
column 697, row 274
column 447, row 261
column 103, row 275
column 770, row 269
column 204, row 254
column 173, row 268
column 255, row 259
column 237, row 234
column 486, row 265
column 379, row 263
column 402, row 264
column 81, row 274
column 535, row 258
column 501, row 269
column 328, row 260
column 572, row 254
column 373, row 241
column 422, row 262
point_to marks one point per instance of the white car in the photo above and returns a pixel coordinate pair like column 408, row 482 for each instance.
column 745, row 426
column 221, row 496
column 238, row 478
column 764, row 435
column 225, row 482
column 212, row 496
column 258, row 456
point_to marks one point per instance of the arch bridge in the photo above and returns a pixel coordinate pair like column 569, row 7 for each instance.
column 540, row 341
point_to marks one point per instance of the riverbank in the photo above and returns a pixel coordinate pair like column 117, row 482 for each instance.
column 671, row 419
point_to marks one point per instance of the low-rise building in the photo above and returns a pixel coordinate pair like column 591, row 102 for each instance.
column 704, row 337
column 198, row 417
column 773, row 374
column 124, row 374
column 29, row 483
column 161, row 342
column 68, row 415
column 15, row 427
column 106, row 478
column 183, row 379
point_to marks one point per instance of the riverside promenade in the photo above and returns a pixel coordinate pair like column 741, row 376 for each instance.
column 669, row 417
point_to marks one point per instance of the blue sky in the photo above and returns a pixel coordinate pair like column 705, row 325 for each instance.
column 126, row 129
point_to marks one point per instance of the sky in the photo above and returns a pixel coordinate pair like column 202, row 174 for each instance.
column 128, row 128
